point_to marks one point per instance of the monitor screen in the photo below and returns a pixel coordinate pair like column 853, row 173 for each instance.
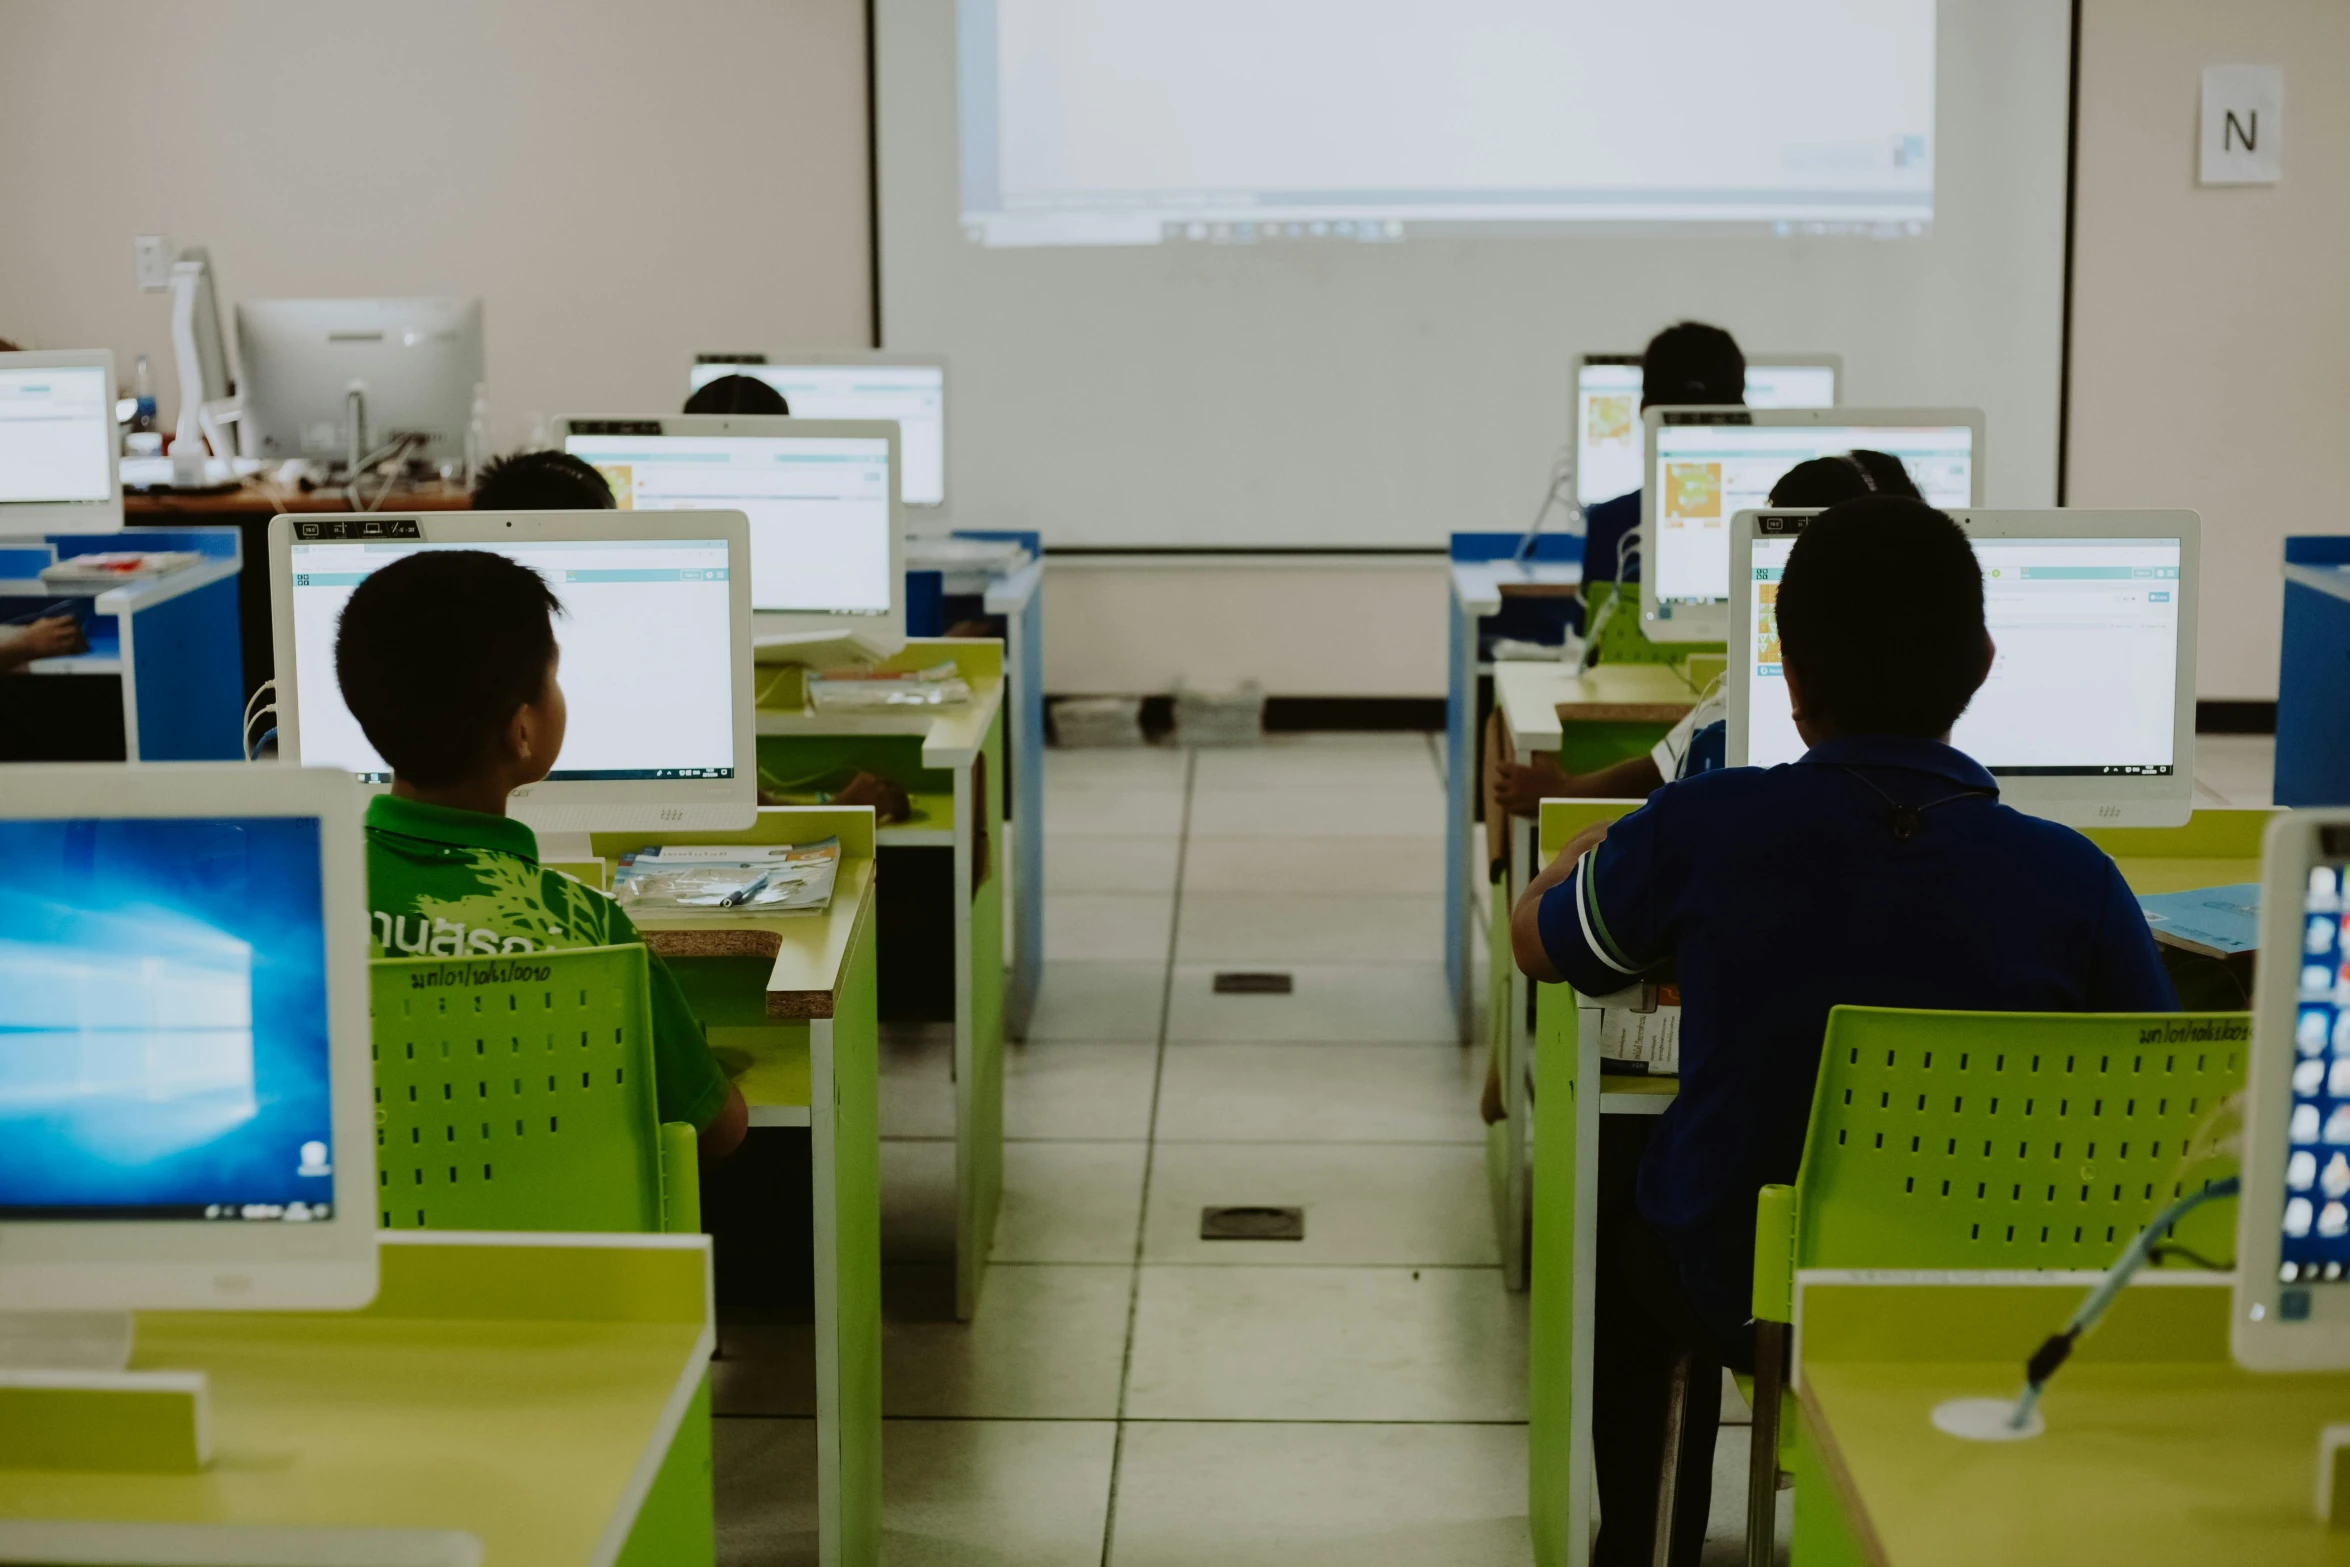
column 912, row 395
column 56, row 434
column 1607, row 416
column 164, row 1020
column 1708, row 473
column 2084, row 684
column 646, row 653
column 819, row 507
column 2316, row 1244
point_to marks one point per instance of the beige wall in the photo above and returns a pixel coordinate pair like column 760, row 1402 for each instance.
column 2211, row 328
column 622, row 182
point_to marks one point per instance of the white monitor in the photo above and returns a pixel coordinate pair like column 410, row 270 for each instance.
column 417, row 363
column 654, row 642
column 827, row 544
column 1607, row 411
column 186, row 1098
column 910, row 389
column 1704, row 465
column 2089, row 714
column 57, row 443
column 2292, row 1292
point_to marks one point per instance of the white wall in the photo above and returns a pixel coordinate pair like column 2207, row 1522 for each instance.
column 623, row 183
column 2211, row 328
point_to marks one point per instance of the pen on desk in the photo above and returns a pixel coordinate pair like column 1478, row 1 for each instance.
column 742, row 895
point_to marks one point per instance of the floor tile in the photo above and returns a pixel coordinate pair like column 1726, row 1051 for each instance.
column 1287, row 1093
column 1279, row 866
column 1099, row 1001
column 1391, row 1002
column 1375, row 1344
column 1316, row 813
column 1398, row 769
column 1059, row 1089
column 1116, row 813
column 1142, row 769
column 1081, row 864
column 917, row 1199
column 1108, row 927
column 1047, row 1344
column 1366, row 1203
column 917, row 1081
column 1322, row 1496
column 1070, row 1202
column 2240, row 769
column 955, row 1493
column 1269, row 929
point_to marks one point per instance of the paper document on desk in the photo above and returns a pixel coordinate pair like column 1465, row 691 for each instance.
column 2218, row 922
column 1640, row 1029
column 118, row 566
column 763, row 879
column 941, row 685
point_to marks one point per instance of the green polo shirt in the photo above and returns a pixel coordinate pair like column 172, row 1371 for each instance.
column 445, row 883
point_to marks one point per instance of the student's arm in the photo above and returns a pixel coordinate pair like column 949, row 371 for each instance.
column 2126, row 972
column 1526, row 918
column 1523, row 786
column 726, row 1131
column 686, row 1076
column 1593, row 917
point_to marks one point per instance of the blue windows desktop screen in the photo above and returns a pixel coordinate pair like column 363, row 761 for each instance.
column 163, row 1020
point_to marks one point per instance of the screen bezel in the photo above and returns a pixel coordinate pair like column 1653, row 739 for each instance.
column 123, row 1264
column 573, row 805
column 1712, row 622
column 751, row 362
column 2076, row 801
column 2259, row 1337
column 19, row 519
column 1833, row 363
column 882, row 635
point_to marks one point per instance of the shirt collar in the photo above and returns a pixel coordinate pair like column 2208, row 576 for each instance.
column 1903, row 751
column 450, row 827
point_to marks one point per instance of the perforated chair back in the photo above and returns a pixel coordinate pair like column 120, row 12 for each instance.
column 516, row 1093
column 2010, row 1140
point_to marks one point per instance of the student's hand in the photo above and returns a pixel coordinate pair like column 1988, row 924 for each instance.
column 1521, row 787
column 1526, row 919
column 728, row 1127
column 54, row 637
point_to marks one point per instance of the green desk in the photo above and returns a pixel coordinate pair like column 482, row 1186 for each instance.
column 789, row 1005
column 514, row 1399
column 2158, row 1449
column 2215, row 847
column 951, row 761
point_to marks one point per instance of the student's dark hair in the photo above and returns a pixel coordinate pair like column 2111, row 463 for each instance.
column 1881, row 612
column 1690, row 362
column 436, row 651
column 737, row 394
column 1843, row 476
column 540, row 481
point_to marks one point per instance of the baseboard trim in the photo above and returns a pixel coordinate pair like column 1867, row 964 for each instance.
column 2235, row 718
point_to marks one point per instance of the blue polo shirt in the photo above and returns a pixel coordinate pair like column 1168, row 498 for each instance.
column 1604, row 527
column 1775, row 894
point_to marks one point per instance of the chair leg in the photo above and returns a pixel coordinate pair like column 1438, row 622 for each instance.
column 1762, row 1462
column 1668, row 1482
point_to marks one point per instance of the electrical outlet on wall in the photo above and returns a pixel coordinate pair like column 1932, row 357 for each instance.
column 152, row 253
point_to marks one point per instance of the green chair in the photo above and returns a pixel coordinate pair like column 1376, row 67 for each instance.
column 1986, row 1140
column 516, row 1093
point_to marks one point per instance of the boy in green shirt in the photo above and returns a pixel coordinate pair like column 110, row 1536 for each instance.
column 447, row 659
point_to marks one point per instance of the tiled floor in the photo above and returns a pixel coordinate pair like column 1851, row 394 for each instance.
column 2235, row 770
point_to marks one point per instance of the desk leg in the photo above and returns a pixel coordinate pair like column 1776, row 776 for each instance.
column 1513, row 1033
column 979, row 1034
column 1024, row 655
column 1563, row 1272
column 844, row 1126
column 1462, row 878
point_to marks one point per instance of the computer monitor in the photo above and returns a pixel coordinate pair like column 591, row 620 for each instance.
column 1607, row 410
column 417, row 363
column 2089, row 714
column 909, row 388
column 2292, row 1290
column 1707, row 464
column 57, row 443
column 655, row 645
column 216, row 372
column 827, row 545
column 186, row 1099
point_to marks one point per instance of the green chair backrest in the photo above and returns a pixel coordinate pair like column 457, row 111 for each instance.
column 2020, row 1140
column 516, row 1093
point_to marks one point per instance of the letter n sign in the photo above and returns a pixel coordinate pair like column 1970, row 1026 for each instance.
column 2243, row 125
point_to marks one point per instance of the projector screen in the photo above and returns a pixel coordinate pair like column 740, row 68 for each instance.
column 1109, row 122
column 1127, row 383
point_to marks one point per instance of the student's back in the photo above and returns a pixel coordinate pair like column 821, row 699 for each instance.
column 1688, row 362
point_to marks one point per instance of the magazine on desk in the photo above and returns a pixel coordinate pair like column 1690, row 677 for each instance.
column 1640, row 1030
column 728, row 879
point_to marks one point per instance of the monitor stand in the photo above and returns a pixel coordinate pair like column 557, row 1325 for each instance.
column 67, row 1401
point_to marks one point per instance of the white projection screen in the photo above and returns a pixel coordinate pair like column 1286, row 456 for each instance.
column 1244, row 274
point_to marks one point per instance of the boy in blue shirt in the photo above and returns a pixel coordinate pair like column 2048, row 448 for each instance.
column 1880, row 869
column 1687, row 363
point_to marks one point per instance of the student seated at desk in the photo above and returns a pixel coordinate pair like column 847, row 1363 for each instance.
column 1695, row 744
column 541, row 481
column 448, row 660
column 737, row 394
column 54, row 636
column 1878, row 870
column 1688, row 362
